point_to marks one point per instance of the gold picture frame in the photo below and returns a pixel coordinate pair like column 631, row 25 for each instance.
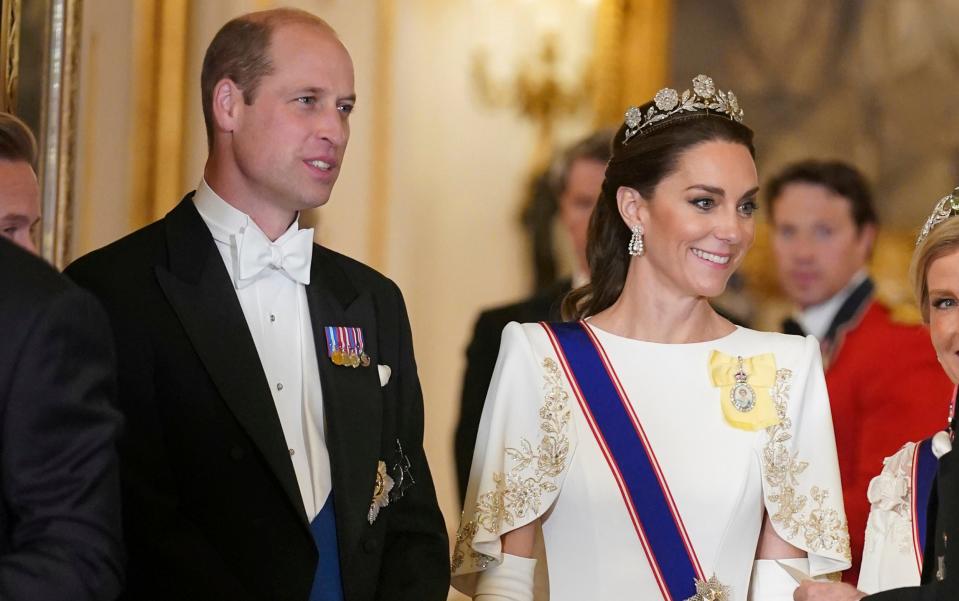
column 39, row 54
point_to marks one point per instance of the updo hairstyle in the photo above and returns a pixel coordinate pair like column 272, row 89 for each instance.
column 644, row 161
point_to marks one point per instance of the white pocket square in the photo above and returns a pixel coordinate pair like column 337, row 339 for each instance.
column 384, row 371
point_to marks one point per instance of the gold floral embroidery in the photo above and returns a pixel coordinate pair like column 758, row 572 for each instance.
column 464, row 542
column 821, row 527
column 519, row 492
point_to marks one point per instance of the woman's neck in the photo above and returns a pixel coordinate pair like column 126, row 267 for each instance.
column 655, row 312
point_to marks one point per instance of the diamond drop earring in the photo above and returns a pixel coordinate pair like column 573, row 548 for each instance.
column 636, row 246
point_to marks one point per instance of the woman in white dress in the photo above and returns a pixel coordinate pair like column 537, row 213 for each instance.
column 662, row 452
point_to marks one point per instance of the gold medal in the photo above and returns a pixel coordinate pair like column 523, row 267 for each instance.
column 337, row 357
column 354, row 359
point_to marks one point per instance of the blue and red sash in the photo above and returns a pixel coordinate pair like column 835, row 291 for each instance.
column 924, row 464
column 631, row 459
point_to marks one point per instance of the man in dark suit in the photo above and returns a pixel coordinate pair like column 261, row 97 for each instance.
column 275, row 418
column 59, row 520
column 573, row 183
column 59, row 524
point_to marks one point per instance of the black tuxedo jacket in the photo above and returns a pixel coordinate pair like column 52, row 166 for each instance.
column 59, row 490
column 940, row 570
column 211, row 505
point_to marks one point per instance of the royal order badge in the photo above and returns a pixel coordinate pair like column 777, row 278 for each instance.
column 742, row 394
column 745, row 384
column 710, row 590
column 381, row 492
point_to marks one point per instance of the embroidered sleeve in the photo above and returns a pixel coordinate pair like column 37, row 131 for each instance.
column 800, row 468
column 889, row 556
column 523, row 450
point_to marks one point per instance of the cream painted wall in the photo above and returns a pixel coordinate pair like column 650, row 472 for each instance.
column 105, row 115
column 455, row 178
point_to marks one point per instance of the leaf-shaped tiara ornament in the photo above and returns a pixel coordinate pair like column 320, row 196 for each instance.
column 947, row 207
column 704, row 98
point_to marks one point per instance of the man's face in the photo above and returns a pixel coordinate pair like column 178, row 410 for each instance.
column 817, row 246
column 19, row 203
column 289, row 144
column 577, row 202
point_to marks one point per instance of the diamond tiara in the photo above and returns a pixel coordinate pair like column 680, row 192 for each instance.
column 947, row 207
column 704, row 98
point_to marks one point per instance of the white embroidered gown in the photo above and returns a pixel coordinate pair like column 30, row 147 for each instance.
column 891, row 553
column 536, row 457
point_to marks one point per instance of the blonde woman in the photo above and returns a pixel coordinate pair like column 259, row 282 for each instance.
column 915, row 500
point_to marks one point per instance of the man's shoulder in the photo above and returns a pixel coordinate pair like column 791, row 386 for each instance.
column 33, row 291
column 144, row 247
column 360, row 274
column 879, row 323
column 541, row 306
column 27, row 279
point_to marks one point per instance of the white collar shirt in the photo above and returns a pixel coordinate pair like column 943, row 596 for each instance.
column 816, row 319
column 277, row 314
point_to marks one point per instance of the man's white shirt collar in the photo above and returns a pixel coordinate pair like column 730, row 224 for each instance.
column 816, row 319
column 228, row 226
column 225, row 220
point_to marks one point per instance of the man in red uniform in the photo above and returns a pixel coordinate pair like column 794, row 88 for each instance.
column 885, row 384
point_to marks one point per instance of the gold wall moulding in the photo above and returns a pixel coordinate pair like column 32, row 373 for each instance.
column 43, row 37
column 9, row 52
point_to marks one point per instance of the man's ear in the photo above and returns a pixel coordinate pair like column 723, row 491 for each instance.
column 227, row 105
column 867, row 240
column 633, row 208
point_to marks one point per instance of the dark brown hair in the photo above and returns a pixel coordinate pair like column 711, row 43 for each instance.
column 16, row 140
column 240, row 51
column 838, row 177
column 647, row 159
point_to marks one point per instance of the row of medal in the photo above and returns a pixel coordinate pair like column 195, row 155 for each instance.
column 345, row 346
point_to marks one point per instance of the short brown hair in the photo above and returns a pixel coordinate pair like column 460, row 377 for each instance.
column 942, row 240
column 16, row 140
column 594, row 147
column 240, row 52
column 838, row 177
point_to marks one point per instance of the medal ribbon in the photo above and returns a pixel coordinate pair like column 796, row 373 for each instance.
column 331, row 339
column 924, row 464
column 631, row 460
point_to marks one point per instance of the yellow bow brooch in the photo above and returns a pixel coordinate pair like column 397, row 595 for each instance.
column 744, row 384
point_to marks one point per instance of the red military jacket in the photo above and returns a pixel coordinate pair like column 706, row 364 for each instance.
column 886, row 387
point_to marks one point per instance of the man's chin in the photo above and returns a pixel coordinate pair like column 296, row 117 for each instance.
column 315, row 201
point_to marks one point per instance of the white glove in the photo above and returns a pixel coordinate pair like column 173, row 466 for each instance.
column 511, row 580
column 771, row 582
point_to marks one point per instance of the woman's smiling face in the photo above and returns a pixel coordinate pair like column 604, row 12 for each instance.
column 942, row 281
column 699, row 223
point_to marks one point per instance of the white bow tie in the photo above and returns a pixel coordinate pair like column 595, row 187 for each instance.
column 255, row 253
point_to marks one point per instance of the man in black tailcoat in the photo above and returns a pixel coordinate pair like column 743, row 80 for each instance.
column 275, row 419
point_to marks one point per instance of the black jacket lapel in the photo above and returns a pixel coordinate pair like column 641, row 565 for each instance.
column 848, row 317
column 352, row 399
column 198, row 287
